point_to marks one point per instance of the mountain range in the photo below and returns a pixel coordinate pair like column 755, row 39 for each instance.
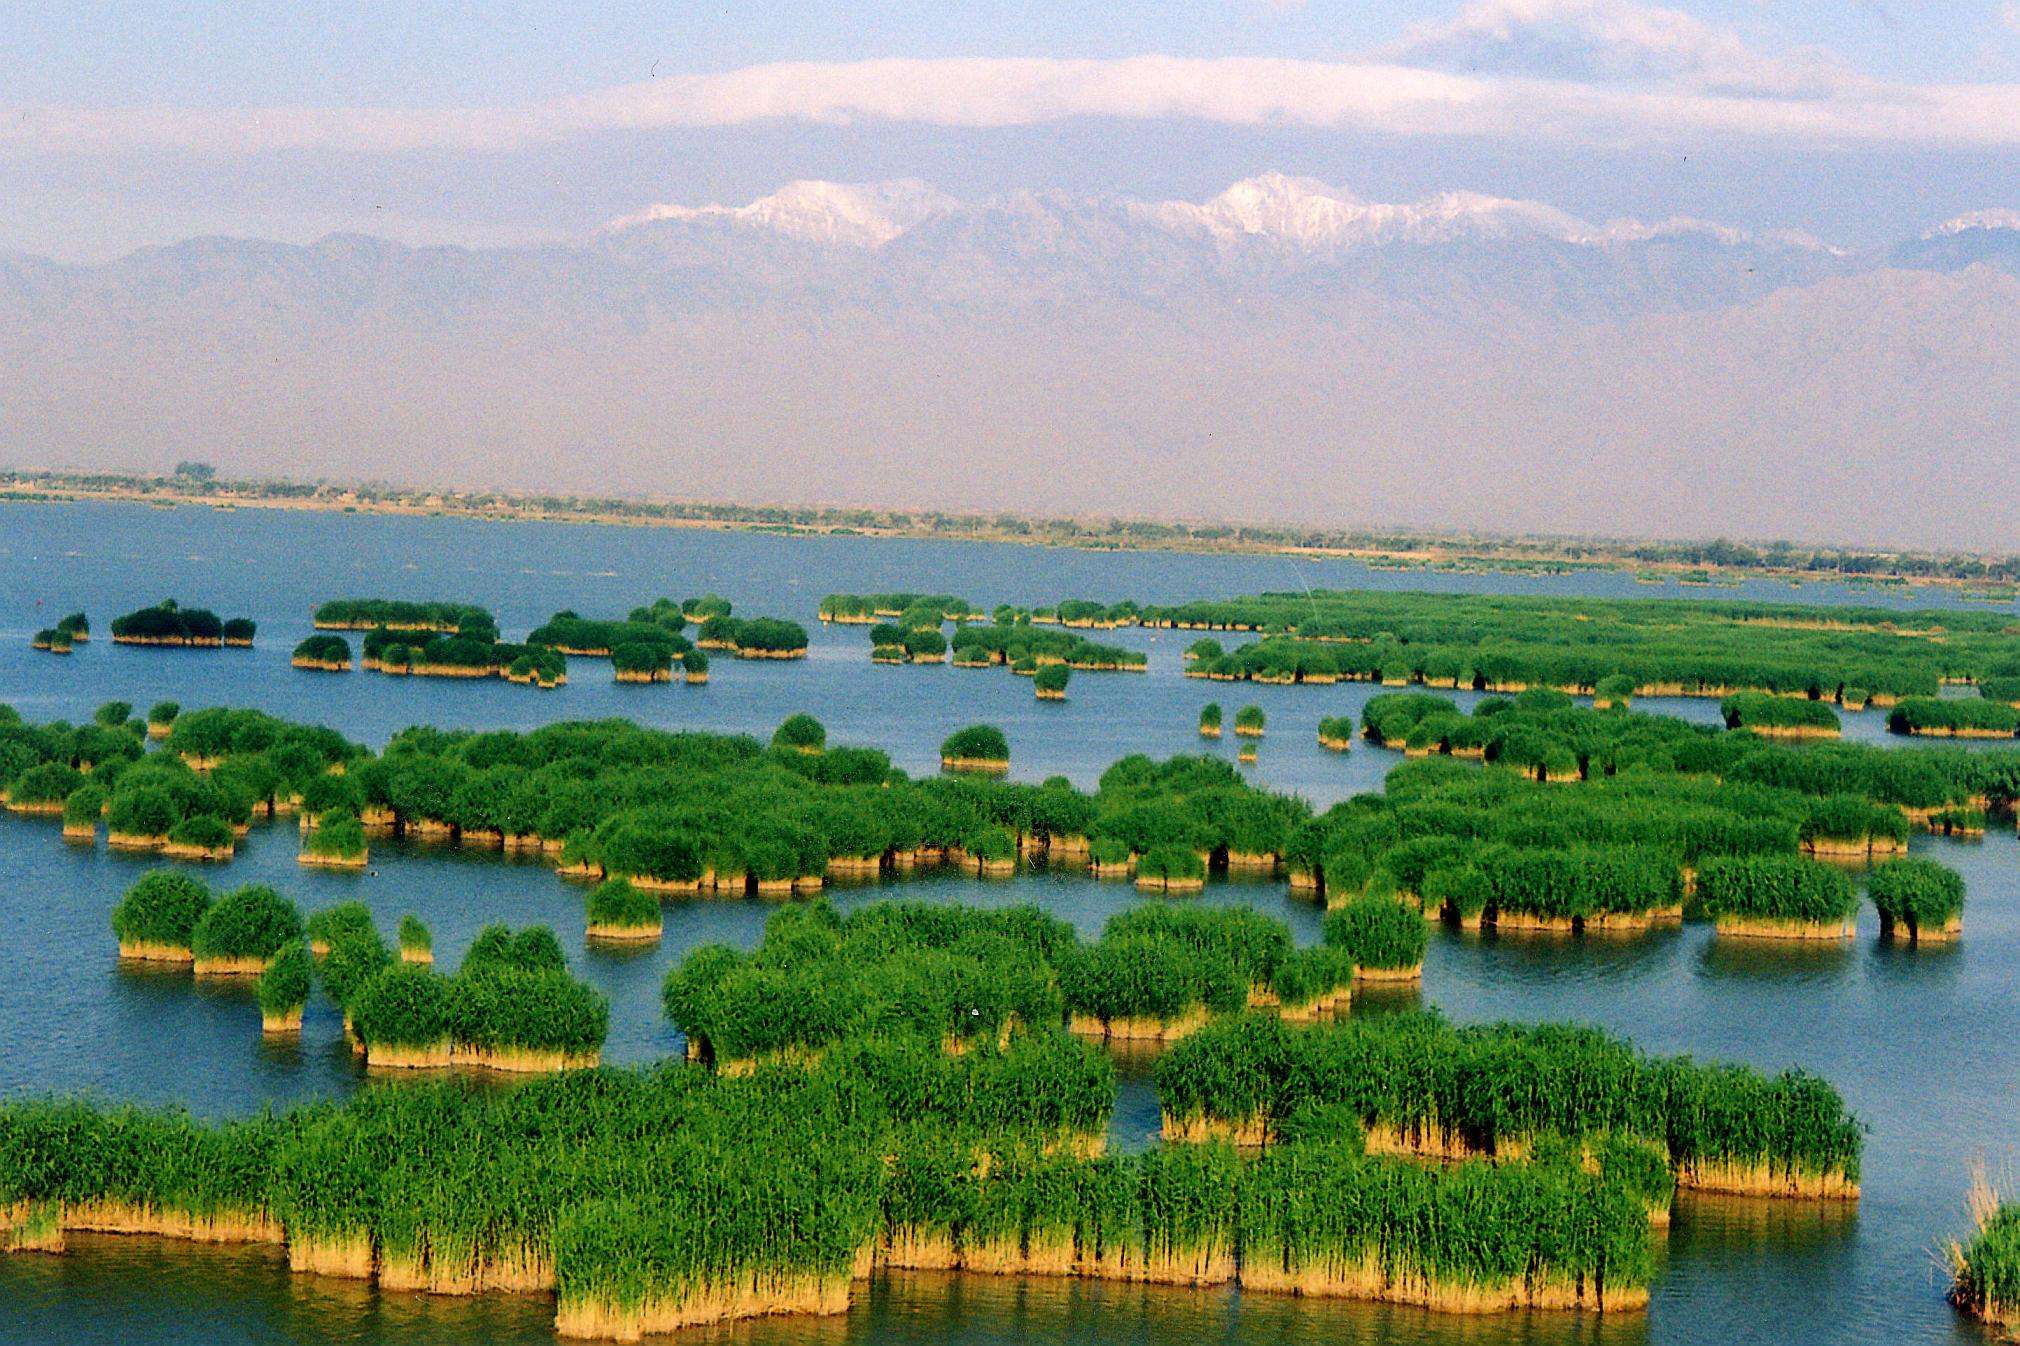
column 1282, row 350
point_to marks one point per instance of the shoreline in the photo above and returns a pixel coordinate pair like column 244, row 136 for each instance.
column 1398, row 550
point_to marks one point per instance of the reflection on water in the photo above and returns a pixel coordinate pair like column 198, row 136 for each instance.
column 1737, row 958
column 1706, row 1226
column 186, row 1293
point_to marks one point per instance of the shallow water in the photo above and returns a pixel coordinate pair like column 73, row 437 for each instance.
column 1920, row 1042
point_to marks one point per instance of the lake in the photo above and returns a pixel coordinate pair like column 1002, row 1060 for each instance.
column 1920, row 1043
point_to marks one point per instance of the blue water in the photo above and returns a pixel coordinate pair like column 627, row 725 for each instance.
column 1921, row 1043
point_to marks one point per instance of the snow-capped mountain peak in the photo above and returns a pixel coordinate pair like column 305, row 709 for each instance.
column 857, row 215
column 1306, row 214
column 1287, row 216
column 1996, row 218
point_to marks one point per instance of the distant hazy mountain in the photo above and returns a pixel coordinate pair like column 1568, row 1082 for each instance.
column 1282, row 350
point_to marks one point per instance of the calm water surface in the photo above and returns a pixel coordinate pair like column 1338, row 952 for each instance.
column 1922, row 1044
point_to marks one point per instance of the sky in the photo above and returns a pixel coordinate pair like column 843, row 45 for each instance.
column 148, row 121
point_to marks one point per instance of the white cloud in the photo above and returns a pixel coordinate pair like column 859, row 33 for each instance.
column 2009, row 14
column 1617, row 41
column 1700, row 96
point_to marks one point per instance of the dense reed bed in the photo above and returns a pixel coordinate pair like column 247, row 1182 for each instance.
column 1954, row 717
column 1015, row 640
column 1862, row 795
column 1416, row 1084
column 1780, row 716
column 323, row 653
column 1645, row 646
column 169, row 623
column 363, row 614
column 1615, row 845
column 651, row 1200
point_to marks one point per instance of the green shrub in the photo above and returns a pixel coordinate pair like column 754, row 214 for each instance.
column 976, row 743
column 802, row 733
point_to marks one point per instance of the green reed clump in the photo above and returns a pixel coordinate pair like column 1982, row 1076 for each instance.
column 1306, row 979
column 1173, row 865
column 1842, row 820
column 1771, row 714
column 1380, row 934
column 1774, row 888
column 1578, row 883
column 1961, row 716
column 284, row 986
column 532, row 949
column 497, row 1014
column 323, row 651
column 142, row 1170
column 355, row 954
column 891, row 968
column 1251, row 942
column 415, row 940
column 1250, row 721
column 161, row 911
column 1917, row 898
column 249, row 925
column 616, row 904
column 339, row 836
column 83, row 807
column 1474, row 1236
column 1615, row 690
column 203, row 835
column 1109, row 851
column 1151, row 978
column 1985, row 1269
column 328, row 926
column 402, row 1007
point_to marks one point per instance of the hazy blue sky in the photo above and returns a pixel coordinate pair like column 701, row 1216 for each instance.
column 151, row 120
